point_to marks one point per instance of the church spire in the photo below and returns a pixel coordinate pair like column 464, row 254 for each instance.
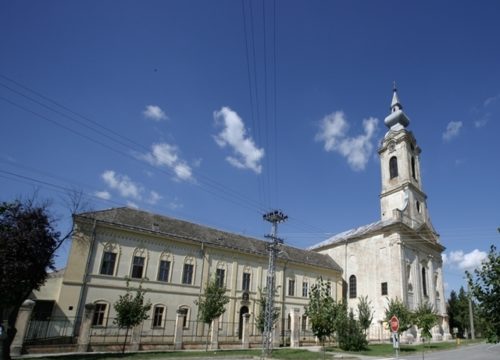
column 397, row 116
column 395, row 103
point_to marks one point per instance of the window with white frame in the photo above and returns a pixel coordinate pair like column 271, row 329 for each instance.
column 186, row 312
column 245, row 282
column 304, row 323
column 219, row 277
column 159, row 315
column 291, row 287
column 109, row 259
column 188, row 271
column 100, row 312
column 305, row 289
column 138, row 264
column 108, row 263
column 164, row 267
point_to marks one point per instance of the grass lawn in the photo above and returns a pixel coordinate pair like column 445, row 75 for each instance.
column 277, row 354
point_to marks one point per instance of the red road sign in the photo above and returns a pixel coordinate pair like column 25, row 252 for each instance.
column 394, row 322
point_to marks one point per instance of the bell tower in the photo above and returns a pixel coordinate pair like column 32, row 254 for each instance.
column 402, row 196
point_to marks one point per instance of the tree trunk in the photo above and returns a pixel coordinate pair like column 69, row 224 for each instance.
column 11, row 331
column 125, row 341
column 208, row 334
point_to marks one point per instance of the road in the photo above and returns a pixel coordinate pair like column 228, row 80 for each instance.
column 475, row 352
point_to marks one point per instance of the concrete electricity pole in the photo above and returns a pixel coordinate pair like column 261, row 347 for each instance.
column 274, row 217
column 471, row 315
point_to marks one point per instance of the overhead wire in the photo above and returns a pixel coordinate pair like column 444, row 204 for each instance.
column 210, row 182
column 220, row 190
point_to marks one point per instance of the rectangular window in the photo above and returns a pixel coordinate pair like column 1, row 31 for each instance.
column 305, row 289
column 304, row 323
column 164, row 270
column 158, row 316
column 99, row 314
column 384, row 288
column 219, row 277
column 246, row 282
column 291, row 287
column 137, row 267
column 186, row 314
column 187, row 274
column 108, row 263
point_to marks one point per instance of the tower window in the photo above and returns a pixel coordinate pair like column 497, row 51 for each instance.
column 424, row 282
column 413, row 168
column 352, row 287
column 418, row 206
column 384, row 288
column 393, row 167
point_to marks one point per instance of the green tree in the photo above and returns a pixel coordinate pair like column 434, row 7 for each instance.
column 365, row 313
column 350, row 334
column 261, row 317
column 322, row 310
column 425, row 318
column 398, row 308
column 131, row 310
column 458, row 311
column 28, row 241
column 212, row 303
column 485, row 288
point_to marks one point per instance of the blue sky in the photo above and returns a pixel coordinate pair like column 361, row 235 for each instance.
column 212, row 111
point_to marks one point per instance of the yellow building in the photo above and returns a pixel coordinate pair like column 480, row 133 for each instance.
column 173, row 260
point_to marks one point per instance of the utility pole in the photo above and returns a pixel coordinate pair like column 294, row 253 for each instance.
column 274, row 217
column 471, row 315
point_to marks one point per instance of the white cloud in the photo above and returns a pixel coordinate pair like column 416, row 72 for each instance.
column 132, row 205
column 154, row 197
column 175, row 204
column 183, row 171
column 155, row 113
column 465, row 261
column 105, row 195
column 491, row 100
column 452, row 130
column 122, row 183
column 357, row 150
column 246, row 154
column 481, row 122
column 163, row 154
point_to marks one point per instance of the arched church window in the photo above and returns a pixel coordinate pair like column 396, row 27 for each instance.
column 413, row 174
column 352, row 287
column 424, row 281
column 393, row 167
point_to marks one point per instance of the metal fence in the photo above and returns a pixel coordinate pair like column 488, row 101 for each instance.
column 50, row 329
column 196, row 333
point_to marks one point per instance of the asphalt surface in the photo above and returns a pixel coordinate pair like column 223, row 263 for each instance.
column 471, row 352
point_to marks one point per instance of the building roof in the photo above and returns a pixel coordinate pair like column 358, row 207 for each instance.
column 153, row 223
column 353, row 233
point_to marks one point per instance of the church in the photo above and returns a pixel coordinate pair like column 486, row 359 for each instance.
column 398, row 256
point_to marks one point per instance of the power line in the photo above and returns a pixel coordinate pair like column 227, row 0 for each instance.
column 208, row 181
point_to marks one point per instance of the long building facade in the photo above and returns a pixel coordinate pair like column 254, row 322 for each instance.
column 173, row 261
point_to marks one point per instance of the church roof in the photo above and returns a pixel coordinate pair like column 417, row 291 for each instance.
column 397, row 118
column 353, row 233
column 139, row 220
